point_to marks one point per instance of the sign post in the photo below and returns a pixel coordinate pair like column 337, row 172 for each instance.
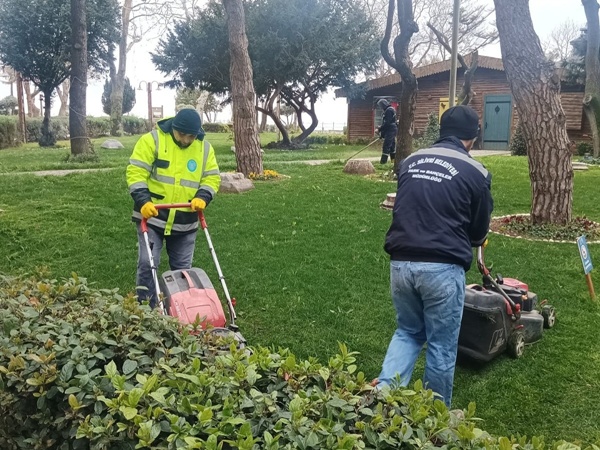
column 586, row 260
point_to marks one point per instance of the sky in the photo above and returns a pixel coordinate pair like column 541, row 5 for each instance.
column 546, row 15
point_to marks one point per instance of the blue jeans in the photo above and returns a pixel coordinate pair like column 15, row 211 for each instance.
column 180, row 249
column 429, row 299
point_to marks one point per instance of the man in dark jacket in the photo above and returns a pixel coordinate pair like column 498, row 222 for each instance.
column 442, row 209
column 388, row 130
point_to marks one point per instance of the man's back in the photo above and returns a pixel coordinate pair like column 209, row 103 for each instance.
column 442, row 207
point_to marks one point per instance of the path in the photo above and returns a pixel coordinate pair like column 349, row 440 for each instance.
column 310, row 162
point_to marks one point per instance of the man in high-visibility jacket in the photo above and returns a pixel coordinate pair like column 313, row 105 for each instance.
column 171, row 164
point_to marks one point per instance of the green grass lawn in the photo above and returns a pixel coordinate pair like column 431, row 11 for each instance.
column 31, row 157
column 304, row 259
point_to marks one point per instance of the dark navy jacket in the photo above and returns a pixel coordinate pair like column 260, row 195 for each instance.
column 388, row 121
column 443, row 206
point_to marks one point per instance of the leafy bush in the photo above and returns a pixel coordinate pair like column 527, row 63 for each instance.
column 431, row 133
column 8, row 131
column 326, row 138
column 215, row 127
column 583, row 147
column 128, row 97
column 59, row 126
column 518, row 145
column 98, row 126
column 89, row 369
column 134, row 125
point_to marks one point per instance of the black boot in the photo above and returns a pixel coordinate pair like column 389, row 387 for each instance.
column 392, row 158
column 384, row 158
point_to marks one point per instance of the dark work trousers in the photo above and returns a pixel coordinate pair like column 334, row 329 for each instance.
column 389, row 144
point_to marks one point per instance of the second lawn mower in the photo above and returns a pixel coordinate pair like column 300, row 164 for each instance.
column 189, row 295
column 500, row 315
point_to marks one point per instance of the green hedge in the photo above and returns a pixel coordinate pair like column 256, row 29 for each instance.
column 97, row 127
column 215, row 127
column 88, row 369
column 8, row 131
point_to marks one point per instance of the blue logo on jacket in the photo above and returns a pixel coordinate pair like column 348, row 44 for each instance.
column 192, row 165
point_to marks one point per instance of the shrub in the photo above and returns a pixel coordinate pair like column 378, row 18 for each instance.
column 134, row 125
column 326, row 138
column 88, row 369
column 267, row 175
column 518, row 145
column 584, row 147
column 215, row 128
column 98, row 126
column 8, row 131
column 59, row 126
column 431, row 133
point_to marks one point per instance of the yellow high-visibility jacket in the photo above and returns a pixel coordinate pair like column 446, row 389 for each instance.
column 161, row 172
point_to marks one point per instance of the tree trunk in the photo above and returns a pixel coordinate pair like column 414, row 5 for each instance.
column 79, row 67
column 32, row 109
column 269, row 111
column 591, row 102
column 306, row 132
column 402, row 63
column 263, row 116
column 535, row 85
column 63, row 92
column 247, row 143
column 118, row 80
column 47, row 138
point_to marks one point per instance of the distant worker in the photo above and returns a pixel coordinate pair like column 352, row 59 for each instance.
column 388, row 131
column 171, row 164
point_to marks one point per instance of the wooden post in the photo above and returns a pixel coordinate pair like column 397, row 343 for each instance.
column 150, row 118
column 588, row 278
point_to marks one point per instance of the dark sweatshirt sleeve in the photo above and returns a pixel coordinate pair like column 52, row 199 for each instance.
column 481, row 213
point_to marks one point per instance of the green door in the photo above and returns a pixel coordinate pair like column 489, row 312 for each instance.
column 496, row 126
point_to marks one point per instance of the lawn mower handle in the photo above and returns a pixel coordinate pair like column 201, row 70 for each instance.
column 515, row 309
column 230, row 301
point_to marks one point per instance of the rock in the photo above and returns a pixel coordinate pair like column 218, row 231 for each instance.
column 235, row 183
column 389, row 201
column 359, row 167
column 111, row 143
column 580, row 166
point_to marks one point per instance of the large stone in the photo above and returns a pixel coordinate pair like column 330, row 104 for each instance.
column 359, row 167
column 111, row 143
column 235, row 183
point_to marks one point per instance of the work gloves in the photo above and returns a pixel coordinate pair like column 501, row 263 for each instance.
column 198, row 204
column 149, row 210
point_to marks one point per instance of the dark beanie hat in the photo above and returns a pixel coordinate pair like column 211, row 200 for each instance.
column 188, row 121
column 460, row 121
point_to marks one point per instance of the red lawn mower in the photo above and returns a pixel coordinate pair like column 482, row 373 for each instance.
column 500, row 315
column 189, row 295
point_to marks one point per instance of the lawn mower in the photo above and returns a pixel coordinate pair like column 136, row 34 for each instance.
column 500, row 315
column 189, row 295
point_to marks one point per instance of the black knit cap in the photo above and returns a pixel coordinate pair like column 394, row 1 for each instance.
column 460, row 121
column 188, row 121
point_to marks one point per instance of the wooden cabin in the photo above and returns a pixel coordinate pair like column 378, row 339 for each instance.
column 493, row 102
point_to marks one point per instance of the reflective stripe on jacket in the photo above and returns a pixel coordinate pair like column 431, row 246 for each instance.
column 162, row 172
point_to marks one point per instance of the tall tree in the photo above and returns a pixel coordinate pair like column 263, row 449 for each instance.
column 247, row 143
column 298, row 48
column 78, row 91
column 400, row 61
column 128, row 97
column 591, row 100
column 36, row 41
column 558, row 44
column 535, row 85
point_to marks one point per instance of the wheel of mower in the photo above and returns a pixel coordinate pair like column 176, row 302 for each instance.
column 516, row 344
column 549, row 315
